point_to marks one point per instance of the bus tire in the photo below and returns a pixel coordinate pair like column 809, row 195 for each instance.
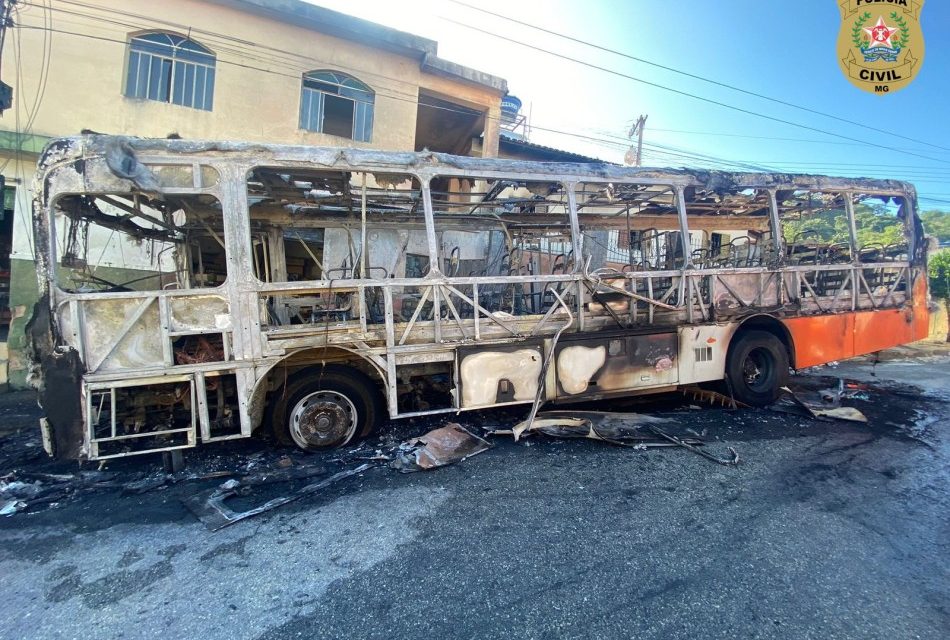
column 757, row 368
column 325, row 407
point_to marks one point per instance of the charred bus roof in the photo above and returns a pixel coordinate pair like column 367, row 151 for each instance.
column 427, row 163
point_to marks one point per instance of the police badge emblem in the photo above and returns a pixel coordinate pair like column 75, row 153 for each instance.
column 880, row 44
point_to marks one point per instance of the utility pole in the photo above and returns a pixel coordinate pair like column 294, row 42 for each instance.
column 636, row 130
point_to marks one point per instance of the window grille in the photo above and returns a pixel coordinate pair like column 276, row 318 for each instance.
column 168, row 68
column 337, row 104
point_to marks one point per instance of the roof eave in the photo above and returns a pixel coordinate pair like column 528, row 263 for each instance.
column 435, row 65
column 334, row 23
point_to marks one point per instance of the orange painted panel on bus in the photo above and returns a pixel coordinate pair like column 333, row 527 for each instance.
column 876, row 330
column 821, row 339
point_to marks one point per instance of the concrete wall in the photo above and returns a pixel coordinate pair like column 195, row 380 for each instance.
column 257, row 90
column 938, row 323
column 256, row 95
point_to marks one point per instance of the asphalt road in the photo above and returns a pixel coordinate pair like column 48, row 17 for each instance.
column 825, row 530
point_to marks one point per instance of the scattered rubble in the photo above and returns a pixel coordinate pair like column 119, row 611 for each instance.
column 257, row 473
column 209, row 506
column 734, row 460
column 11, row 506
column 634, row 430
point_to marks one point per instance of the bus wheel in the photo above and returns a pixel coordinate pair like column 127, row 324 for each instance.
column 325, row 407
column 757, row 368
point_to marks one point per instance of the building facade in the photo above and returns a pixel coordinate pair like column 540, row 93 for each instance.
column 281, row 71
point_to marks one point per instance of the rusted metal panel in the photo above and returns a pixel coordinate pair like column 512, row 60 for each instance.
column 921, row 307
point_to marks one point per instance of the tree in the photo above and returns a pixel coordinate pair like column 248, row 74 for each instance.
column 939, row 272
column 937, row 223
column 877, row 225
column 874, row 222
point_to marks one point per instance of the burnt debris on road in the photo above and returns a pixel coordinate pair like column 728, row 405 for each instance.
column 29, row 482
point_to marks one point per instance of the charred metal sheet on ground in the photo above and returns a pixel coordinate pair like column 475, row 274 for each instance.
column 793, row 402
column 443, row 446
column 596, row 425
column 731, row 461
column 624, row 429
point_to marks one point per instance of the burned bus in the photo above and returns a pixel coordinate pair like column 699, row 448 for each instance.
column 200, row 291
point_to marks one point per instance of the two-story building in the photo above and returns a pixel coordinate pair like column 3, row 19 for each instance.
column 271, row 70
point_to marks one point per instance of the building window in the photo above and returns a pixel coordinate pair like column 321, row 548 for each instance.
column 169, row 68
column 337, row 104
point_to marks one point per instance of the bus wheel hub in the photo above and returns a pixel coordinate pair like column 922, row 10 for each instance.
column 322, row 423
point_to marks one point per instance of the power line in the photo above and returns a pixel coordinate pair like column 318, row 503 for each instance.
column 242, row 50
column 915, row 169
column 694, row 76
column 283, row 56
column 674, row 153
column 741, row 135
column 922, row 170
column 245, row 51
column 680, row 92
column 670, row 152
column 45, row 67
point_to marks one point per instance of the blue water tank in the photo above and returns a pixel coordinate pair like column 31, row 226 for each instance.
column 510, row 106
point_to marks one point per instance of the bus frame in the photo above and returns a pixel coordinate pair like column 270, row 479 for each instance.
column 114, row 381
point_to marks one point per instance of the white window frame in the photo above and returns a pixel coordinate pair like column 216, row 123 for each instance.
column 177, row 71
column 340, row 85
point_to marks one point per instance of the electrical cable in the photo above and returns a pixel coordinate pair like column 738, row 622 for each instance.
column 694, row 96
column 694, row 76
column 244, row 51
column 606, row 143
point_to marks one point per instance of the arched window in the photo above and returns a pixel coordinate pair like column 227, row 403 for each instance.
column 337, row 104
column 169, row 68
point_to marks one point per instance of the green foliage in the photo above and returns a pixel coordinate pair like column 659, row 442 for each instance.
column 874, row 223
column 939, row 272
column 826, row 226
column 937, row 224
column 877, row 226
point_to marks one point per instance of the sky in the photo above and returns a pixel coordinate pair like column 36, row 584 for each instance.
column 782, row 50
